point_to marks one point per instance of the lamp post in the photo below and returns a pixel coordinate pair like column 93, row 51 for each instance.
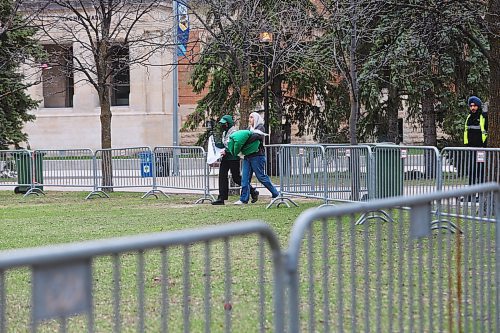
column 266, row 38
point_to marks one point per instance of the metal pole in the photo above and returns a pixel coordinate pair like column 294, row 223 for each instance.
column 266, row 94
column 175, row 89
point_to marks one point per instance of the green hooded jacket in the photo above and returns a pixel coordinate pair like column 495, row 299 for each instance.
column 237, row 143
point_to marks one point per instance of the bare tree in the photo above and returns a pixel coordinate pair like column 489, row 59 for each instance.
column 100, row 40
column 231, row 41
column 349, row 28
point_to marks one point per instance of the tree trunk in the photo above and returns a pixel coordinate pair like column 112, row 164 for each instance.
column 244, row 104
column 276, row 126
column 494, row 64
column 392, row 115
column 107, row 158
column 354, row 89
column 429, row 119
column 429, row 129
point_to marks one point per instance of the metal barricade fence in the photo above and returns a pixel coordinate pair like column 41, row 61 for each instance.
column 467, row 166
column 302, row 171
column 66, row 168
column 412, row 273
column 15, row 169
column 405, row 170
column 347, row 171
column 178, row 281
column 183, row 167
column 123, row 168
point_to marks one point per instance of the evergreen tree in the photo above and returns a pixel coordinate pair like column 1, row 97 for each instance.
column 17, row 46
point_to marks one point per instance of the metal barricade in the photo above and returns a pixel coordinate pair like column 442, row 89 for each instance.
column 405, row 170
column 14, row 173
column 302, row 171
column 123, row 168
column 467, row 166
column 184, row 168
column 192, row 280
column 348, row 174
column 66, row 168
column 412, row 273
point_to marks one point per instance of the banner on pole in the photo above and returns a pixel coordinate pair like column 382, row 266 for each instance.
column 182, row 28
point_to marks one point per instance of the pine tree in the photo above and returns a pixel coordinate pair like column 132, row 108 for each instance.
column 17, row 45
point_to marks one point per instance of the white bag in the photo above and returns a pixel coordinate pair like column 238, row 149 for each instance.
column 213, row 153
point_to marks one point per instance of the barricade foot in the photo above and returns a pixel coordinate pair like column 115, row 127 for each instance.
column 154, row 193
column 35, row 191
column 100, row 194
column 205, row 198
column 446, row 225
column 379, row 214
column 281, row 201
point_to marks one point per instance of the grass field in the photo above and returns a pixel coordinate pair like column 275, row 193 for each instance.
column 370, row 276
column 63, row 217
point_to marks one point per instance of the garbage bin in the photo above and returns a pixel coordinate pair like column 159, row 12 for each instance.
column 146, row 164
column 388, row 172
column 162, row 164
column 25, row 162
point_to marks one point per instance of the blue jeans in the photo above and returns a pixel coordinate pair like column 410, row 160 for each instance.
column 255, row 164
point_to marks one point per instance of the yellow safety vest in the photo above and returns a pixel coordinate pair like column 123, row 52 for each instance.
column 482, row 122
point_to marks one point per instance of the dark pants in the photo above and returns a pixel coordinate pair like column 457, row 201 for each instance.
column 476, row 170
column 225, row 167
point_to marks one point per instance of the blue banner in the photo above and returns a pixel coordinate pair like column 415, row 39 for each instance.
column 182, row 28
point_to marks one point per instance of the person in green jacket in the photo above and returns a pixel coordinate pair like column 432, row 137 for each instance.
column 228, row 163
column 255, row 160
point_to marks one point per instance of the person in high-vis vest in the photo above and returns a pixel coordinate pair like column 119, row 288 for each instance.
column 476, row 135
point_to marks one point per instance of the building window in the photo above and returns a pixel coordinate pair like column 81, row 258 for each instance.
column 57, row 76
column 120, row 75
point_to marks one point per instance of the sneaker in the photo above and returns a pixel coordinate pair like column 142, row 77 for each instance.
column 275, row 196
column 218, row 202
column 255, row 196
column 239, row 202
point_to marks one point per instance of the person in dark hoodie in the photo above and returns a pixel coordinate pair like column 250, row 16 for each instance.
column 476, row 135
column 255, row 162
column 228, row 163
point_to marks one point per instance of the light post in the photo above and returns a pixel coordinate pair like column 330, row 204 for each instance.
column 266, row 38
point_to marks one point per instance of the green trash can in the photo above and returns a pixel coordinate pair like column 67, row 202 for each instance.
column 388, row 172
column 25, row 174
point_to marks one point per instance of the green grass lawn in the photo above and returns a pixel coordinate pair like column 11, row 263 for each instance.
column 63, row 217
column 373, row 275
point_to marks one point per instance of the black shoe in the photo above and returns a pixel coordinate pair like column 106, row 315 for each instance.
column 218, row 202
column 255, row 196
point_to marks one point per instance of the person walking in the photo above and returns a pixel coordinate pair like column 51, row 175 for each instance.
column 255, row 162
column 475, row 135
column 228, row 163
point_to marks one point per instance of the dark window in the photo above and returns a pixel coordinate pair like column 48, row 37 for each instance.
column 120, row 75
column 57, row 76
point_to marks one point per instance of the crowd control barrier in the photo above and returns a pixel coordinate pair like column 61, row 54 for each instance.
column 183, row 168
column 409, row 273
column 468, row 166
column 121, row 168
column 186, row 281
column 302, row 171
column 347, row 173
column 66, row 168
column 16, row 170
column 407, row 170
